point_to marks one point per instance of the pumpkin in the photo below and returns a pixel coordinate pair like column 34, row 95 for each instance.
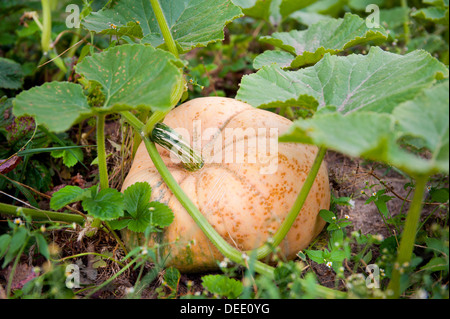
column 246, row 187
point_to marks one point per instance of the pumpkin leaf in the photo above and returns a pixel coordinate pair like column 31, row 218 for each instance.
column 133, row 76
column 57, row 105
column 375, row 82
column 376, row 136
column 11, row 74
column 223, row 286
column 427, row 117
column 107, row 204
column 437, row 12
column 193, row 23
column 273, row 11
column 326, row 36
column 281, row 58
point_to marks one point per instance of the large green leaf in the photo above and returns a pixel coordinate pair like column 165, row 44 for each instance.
column 378, row 136
column 273, row 11
column 427, row 117
column 193, row 23
column 376, row 82
column 133, row 76
column 438, row 12
column 58, row 105
column 326, row 36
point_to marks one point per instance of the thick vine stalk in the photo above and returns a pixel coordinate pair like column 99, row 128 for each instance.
column 406, row 247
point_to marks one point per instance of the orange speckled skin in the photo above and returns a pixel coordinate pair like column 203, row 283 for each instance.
column 244, row 205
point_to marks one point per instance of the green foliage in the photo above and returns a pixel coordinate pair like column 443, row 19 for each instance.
column 223, row 286
column 11, row 74
column 307, row 47
column 193, row 23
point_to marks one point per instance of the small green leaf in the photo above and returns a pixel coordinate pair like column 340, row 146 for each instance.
column 161, row 214
column 172, row 278
column 5, row 239
column 70, row 156
column 17, row 240
column 316, row 255
column 327, row 216
column 58, row 105
column 137, row 198
column 67, row 195
column 337, row 255
column 42, row 245
column 11, row 74
column 107, row 204
column 133, row 76
column 223, row 286
column 439, row 195
column 436, row 264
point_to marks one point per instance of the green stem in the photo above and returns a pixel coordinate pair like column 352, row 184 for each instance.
column 172, row 141
column 408, row 236
column 41, row 214
column 46, row 38
column 162, row 22
column 404, row 4
column 295, row 210
column 101, row 152
column 46, row 25
column 102, row 166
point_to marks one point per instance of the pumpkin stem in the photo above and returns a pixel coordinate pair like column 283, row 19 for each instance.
column 172, row 141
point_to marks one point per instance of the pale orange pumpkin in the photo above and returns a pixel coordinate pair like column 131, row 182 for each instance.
column 245, row 200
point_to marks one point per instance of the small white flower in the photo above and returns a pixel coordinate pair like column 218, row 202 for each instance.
column 223, row 264
column 144, row 251
column 329, row 264
column 129, row 290
column 245, row 257
column 374, row 194
column 18, row 221
column 333, row 218
column 346, row 217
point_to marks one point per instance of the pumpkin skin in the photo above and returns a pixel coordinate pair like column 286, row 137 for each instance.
column 242, row 199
